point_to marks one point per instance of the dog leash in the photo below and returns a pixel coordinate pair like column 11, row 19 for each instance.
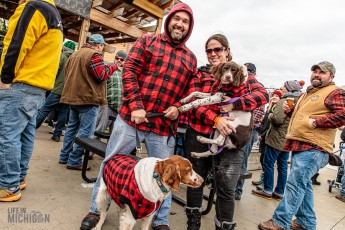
column 138, row 147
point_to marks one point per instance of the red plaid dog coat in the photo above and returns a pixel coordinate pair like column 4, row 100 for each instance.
column 119, row 177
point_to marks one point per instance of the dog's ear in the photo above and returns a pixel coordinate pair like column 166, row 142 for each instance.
column 217, row 71
column 239, row 77
column 171, row 175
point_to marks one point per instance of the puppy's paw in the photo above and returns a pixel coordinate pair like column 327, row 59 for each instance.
column 183, row 109
column 195, row 155
column 184, row 100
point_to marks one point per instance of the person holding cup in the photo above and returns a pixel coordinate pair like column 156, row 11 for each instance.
column 275, row 141
column 310, row 137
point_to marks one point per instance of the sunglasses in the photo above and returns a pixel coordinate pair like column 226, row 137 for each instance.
column 216, row 50
column 119, row 59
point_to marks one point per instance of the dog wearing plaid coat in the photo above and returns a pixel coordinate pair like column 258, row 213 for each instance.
column 139, row 187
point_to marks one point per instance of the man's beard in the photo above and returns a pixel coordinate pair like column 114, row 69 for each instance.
column 317, row 83
column 175, row 38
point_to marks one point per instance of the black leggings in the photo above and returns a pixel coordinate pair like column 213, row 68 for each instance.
column 227, row 172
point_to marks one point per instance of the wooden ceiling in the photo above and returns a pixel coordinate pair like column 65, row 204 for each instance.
column 119, row 21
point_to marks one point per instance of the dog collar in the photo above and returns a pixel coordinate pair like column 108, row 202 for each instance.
column 160, row 183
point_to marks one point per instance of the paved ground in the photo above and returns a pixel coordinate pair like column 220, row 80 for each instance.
column 63, row 199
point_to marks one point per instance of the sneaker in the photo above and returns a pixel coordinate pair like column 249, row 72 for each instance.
column 22, row 185
column 63, row 132
column 9, row 195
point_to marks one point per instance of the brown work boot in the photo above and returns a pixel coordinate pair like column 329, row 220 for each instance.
column 262, row 193
column 90, row 221
column 296, row 226
column 277, row 197
column 340, row 197
column 269, row 225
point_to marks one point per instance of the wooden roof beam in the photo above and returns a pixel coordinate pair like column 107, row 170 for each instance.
column 166, row 5
column 147, row 7
column 116, row 12
column 113, row 23
column 96, row 3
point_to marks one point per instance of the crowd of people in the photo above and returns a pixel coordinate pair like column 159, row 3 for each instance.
column 158, row 71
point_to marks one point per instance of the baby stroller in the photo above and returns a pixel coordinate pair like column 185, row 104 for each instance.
column 337, row 182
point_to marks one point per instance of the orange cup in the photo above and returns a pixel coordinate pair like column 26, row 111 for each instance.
column 290, row 101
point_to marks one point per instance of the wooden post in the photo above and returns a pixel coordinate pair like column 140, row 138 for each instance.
column 84, row 29
column 159, row 25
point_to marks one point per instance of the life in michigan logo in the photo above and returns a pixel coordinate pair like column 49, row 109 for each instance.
column 21, row 215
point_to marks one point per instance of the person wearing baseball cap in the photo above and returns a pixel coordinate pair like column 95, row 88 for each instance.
column 250, row 67
column 325, row 67
column 86, row 76
column 310, row 137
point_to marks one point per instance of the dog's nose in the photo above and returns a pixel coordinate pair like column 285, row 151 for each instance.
column 199, row 179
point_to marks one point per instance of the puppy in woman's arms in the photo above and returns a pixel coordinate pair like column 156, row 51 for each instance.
column 229, row 75
column 139, row 187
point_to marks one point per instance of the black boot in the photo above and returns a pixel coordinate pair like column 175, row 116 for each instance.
column 224, row 225
column 314, row 180
column 194, row 218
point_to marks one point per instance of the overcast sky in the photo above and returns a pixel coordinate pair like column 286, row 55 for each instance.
column 282, row 38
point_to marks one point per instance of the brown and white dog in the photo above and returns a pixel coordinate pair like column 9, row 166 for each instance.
column 139, row 187
column 229, row 73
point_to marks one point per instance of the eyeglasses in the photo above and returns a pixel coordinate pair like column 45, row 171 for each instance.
column 216, row 50
column 119, row 59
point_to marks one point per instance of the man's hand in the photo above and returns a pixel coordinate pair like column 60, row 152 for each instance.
column 312, row 122
column 4, row 86
column 138, row 116
column 224, row 126
column 171, row 113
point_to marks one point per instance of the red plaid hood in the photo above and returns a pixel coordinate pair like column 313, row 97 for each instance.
column 176, row 8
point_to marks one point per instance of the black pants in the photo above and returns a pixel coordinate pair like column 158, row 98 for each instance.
column 227, row 172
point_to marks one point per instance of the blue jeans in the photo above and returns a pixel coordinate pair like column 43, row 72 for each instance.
column 271, row 156
column 18, row 110
column 247, row 149
column 82, row 122
column 299, row 197
column 52, row 102
column 122, row 141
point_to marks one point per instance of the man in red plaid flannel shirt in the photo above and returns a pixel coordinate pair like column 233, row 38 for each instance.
column 155, row 77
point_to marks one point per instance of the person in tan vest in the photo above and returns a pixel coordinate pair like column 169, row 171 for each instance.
column 311, row 132
column 86, row 77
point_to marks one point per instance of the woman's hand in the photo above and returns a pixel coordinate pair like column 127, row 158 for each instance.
column 224, row 126
column 286, row 107
column 226, row 108
column 259, row 138
column 274, row 100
